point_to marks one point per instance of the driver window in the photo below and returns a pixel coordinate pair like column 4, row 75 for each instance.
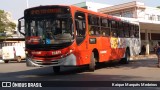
column 33, row 28
column 80, row 22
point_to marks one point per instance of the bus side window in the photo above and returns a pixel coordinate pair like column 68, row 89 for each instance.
column 80, row 23
column 136, row 31
column 126, row 30
column 94, row 27
column 132, row 31
column 120, row 29
column 105, row 30
column 114, row 31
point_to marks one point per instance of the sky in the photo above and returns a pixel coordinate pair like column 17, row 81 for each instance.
column 17, row 7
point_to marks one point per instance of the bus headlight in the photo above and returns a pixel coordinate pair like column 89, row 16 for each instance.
column 70, row 51
column 26, row 52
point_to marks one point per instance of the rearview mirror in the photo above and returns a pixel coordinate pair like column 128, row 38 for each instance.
column 20, row 26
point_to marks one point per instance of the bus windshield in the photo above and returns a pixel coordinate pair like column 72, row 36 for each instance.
column 51, row 29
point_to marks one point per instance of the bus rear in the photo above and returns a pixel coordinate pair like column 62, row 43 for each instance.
column 49, row 36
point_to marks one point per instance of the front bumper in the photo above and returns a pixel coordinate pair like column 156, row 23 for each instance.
column 70, row 60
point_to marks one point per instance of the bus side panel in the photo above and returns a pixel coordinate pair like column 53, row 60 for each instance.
column 114, row 48
column 105, row 51
column 82, row 53
column 83, row 57
column 102, row 45
column 134, row 45
column 121, row 47
column 118, row 47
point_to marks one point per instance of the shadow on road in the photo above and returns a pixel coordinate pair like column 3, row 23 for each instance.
column 81, row 74
column 149, row 63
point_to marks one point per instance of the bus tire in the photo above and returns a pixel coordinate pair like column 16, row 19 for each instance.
column 92, row 63
column 18, row 58
column 6, row 61
column 56, row 69
column 126, row 58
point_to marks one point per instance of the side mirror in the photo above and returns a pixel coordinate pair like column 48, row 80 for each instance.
column 20, row 26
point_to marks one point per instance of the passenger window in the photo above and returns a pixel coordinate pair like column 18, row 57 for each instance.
column 120, row 29
column 132, row 31
column 114, row 31
column 136, row 31
column 126, row 30
column 105, row 28
column 93, row 22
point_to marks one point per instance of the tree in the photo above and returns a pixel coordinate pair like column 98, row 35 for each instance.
column 5, row 22
column 158, row 7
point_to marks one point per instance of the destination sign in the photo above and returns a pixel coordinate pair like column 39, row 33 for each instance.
column 42, row 11
column 45, row 11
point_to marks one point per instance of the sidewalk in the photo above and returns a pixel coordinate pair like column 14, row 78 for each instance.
column 151, row 56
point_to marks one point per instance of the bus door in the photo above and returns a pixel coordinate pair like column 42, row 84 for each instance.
column 82, row 49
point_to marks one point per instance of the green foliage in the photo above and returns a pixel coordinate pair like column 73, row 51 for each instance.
column 5, row 23
column 158, row 7
column 2, row 37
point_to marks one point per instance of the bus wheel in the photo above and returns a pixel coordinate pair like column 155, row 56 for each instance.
column 6, row 61
column 56, row 69
column 92, row 63
column 126, row 59
column 18, row 59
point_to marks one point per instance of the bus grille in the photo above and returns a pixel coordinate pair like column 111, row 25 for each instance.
column 46, row 62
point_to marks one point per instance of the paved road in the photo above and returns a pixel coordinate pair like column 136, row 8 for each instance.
column 138, row 70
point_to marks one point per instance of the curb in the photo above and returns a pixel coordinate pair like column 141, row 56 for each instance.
column 152, row 56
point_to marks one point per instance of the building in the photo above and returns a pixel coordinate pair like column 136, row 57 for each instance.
column 148, row 18
column 91, row 5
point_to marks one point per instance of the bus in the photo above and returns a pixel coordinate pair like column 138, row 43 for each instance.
column 66, row 35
